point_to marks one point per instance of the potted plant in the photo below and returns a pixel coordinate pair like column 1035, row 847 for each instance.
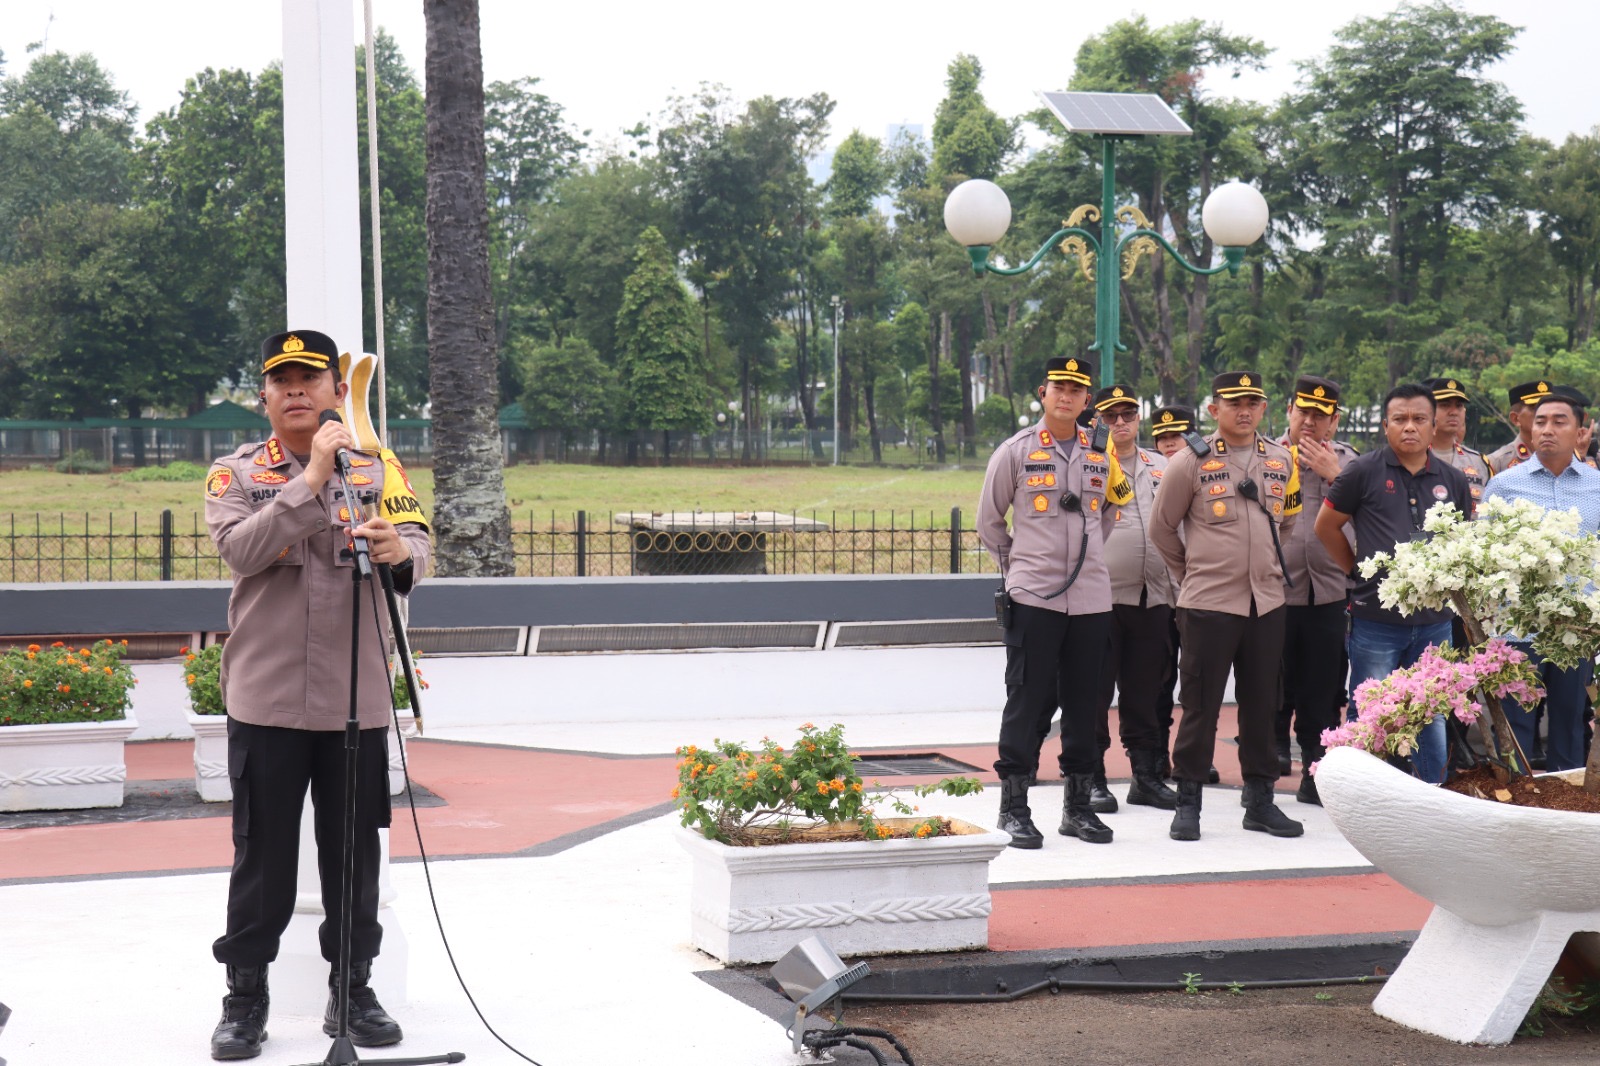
column 208, row 719
column 64, row 717
column 789, row 842
column 1510, row 884
column 410, row 724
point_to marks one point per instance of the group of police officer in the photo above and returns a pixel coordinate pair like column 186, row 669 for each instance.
column 1117, row 556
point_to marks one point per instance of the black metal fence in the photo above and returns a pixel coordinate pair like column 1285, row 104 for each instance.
column 177, row 547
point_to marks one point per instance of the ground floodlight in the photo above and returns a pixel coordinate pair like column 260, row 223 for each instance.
column 812, row 975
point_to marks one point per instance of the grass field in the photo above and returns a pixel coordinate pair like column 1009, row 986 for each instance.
column 89, row 527
column 561, row 491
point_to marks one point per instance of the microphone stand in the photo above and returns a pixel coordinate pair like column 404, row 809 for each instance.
column 343, row 1051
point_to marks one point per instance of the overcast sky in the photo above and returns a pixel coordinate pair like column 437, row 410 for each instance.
column 610, row 65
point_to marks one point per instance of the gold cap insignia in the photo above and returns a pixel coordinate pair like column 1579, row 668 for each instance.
column 1451, row 384
column 1072, row 364
column 291, row 343
column 1319, row 392
column 1244, row 379
column 1544, row 386
column 1166, row 416
column 1116, row 392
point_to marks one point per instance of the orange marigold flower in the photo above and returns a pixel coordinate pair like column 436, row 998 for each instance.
column 750, row 775
column 58, row 644
column 33, row 655
column 922, row 830
column 83, row 652
column 808, row 725
column 83, row 669
column 124, row 643
column 27, row 682
column 837, row 785
column 822, row 787
column 883, row 831
column 66, row 688
column 190, row 658
column 108, row 670
column 110, row 641
column 692, row 750
column 675, row 792
column 856, row 787
column 191, row 676
column 33, row 647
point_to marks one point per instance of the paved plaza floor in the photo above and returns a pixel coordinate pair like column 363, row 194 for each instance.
column 565, row 899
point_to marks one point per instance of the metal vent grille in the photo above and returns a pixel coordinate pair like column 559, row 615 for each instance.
column 495, row 640
column 683, row 637
column 911, row 765
column 879, row 634
column 142, row 647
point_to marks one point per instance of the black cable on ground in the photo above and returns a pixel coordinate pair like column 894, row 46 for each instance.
column 1055, row 984
column 880, row 1034
column 422, row 851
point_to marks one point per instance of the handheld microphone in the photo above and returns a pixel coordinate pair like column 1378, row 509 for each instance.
column 1070, row 502
column 341, row 457
column 1247, row 489
column 341, row 462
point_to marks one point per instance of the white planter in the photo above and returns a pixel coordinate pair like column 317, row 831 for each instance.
column 66, row 766
column 211, row 757
column 1509, row 886
column 863, row 897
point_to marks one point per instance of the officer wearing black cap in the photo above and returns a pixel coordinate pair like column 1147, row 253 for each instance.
column 1056, row 487
column 1449, row 426
column 1142, row 597
column 1523, row 399
column 1219, row 520
column 1167, row 427
column 1315, row 596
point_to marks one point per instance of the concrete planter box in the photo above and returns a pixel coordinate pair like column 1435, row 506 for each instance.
column 211, row 757
column 864, row 897
column 67, row 766
column 1510, row 885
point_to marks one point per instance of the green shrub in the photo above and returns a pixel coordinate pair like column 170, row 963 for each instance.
column 39, row 685
column 204, row 678
column 177, row 471
column 81, row 461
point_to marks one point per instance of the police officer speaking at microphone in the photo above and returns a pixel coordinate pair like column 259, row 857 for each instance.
column 1055, row 601
column 1225, row 505
column 281, row 524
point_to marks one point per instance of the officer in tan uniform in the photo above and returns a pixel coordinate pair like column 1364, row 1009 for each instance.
column 1142, row 596
column 284, row 528
column 1315, row 613
column 1449, row 426
column 1524, row 398
column 1219, row 520
column 1167, row 428
column 1056, row 486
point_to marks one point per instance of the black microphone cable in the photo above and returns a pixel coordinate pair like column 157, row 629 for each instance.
column 379, row 611
column 1249, row 490
column 1071, row 504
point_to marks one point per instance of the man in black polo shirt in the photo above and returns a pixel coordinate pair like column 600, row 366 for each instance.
column 1387, row 493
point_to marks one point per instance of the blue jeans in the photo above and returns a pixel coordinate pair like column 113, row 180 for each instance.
column 1377, row 649
column 1566, row 698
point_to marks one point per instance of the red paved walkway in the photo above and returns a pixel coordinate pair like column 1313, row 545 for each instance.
column 502, row 801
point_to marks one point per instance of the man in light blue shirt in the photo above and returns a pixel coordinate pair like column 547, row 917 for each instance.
column 1555, row 480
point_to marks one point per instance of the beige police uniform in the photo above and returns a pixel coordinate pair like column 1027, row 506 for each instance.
column 1219, row 544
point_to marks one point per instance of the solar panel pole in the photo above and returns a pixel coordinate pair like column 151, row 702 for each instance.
column 1108, row 278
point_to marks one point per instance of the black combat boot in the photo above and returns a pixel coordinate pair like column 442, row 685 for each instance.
column 1015, row 817
column 1186, row 823
column 1285, row 763
column 370, row 1025
column 243, row 1028
column 1262, row 815
column 1148, row 790
column 1307, row 792
column 1077, row 812
column 1101, row 801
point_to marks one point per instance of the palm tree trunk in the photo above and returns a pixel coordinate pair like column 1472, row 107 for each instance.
column 472, row 528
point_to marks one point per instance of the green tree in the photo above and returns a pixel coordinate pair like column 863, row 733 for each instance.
column 565, row 387
column 663, row 381
column 1566, row 193
column 969, row 138
column 860, row 175
column 1401, row 137
column 66, row 134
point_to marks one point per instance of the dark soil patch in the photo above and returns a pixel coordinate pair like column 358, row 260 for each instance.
column 1549, row 793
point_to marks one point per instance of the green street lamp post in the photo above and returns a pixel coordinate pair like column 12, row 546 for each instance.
column 977, row 213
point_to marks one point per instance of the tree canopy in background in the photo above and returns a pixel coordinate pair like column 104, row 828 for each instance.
column 644, row 280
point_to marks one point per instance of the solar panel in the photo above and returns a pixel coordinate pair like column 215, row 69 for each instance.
column 1120, row 113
